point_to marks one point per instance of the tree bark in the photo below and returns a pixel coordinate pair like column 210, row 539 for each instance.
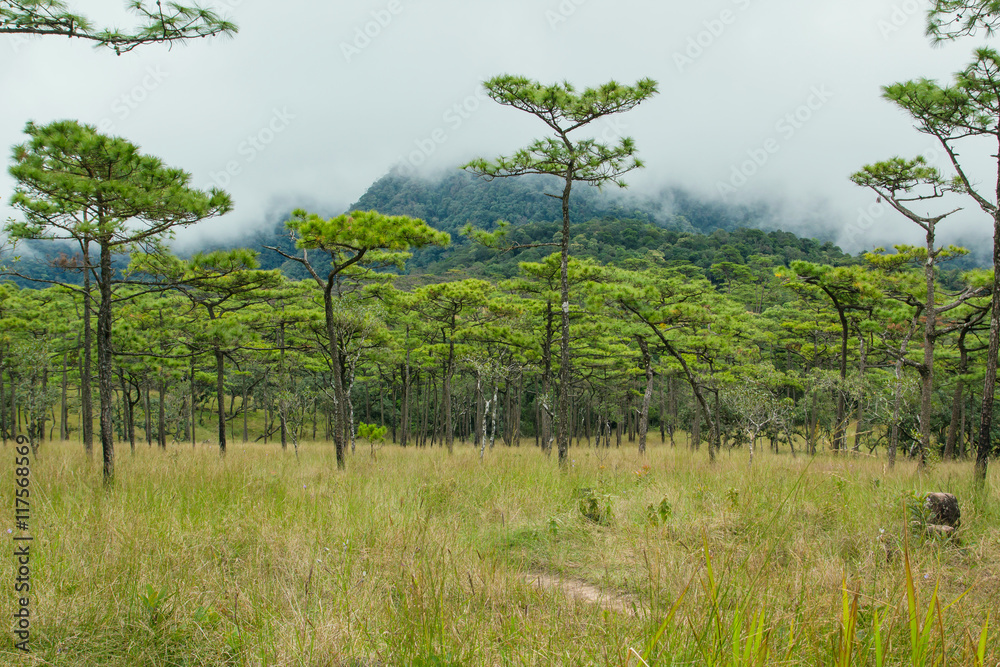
column 86, row 382
column 64, row 402
column 104, row 366
column 959, row 398
column 863, row 352
column 564, row 369
column 985, row 440
column 161, row 423
column 220, row 396
column 340, row 399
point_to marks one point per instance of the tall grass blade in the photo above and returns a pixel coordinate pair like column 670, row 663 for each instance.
column 666, row 622
column 981, row 650
column 849, row 626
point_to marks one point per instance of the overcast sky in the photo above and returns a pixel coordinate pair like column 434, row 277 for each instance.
column 313, row 101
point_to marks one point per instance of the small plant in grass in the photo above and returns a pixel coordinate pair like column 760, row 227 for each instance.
column 659, row 514
column 206, row 617
column 373, row 434
column 921, row 652
column 733, row 498
column 919, row 514
column 153, row 602
column 596, row 506
column 979, row 658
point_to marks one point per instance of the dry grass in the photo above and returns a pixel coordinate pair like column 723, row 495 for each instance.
column 418, row 558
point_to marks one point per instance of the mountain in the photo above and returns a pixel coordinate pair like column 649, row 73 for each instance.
column 458, row 199
column 675, row 227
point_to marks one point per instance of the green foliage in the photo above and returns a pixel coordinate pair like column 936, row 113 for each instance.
column 660, row 514
column 153, row 603
column 565, row 110
column 919, row 514
column 595, row 506
column 372, row 432
column 951, row 19
column 159, row 23
column 74, row 182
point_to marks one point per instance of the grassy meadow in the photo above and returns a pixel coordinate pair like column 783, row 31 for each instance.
column 416, row 557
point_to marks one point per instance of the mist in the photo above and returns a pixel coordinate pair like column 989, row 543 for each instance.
column 311, row 103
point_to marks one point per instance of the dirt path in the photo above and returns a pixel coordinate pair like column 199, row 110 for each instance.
column 577, row 589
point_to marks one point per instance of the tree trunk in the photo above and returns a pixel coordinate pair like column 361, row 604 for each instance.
column 220, row 396
column 959, row 399
column 405, row 416
column 3, row 402
column 161, row 426
column 86, row 382
column 896, row 410
column 64, row 402
column 339, row 395
column 696, row 425
column 128, row 416
column 146, row 412
column 480, row 413
column 840, row 429
column 927, row 368
column 564, row 358
column 985, row 440
column 104, row 366
column 647, row 361
column 543, row 398
column 246, row 409
column 194, row 429
column 863, row 351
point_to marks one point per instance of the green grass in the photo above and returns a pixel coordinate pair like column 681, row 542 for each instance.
column 418, row 558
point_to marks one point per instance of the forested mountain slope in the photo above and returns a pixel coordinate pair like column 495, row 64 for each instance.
column 611, row 227
column 458, row 199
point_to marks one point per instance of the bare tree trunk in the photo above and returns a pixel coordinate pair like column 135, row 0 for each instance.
column 696, row 426
column 104, row 367
column 64, row 402
column 648, row 395
column 220, row 395
column 3, row 402
column 493, row 428
column 405, row 410
column 86, row 381
column 861, row 395
column 985, row 440
column 896, row 410
column 128, row 416
column 246, row 409
column 194, row 429
column 959, row 399
column 146, row 412
column 564, row 356
column 161, row 428
column 449, row 430
column 480, row 413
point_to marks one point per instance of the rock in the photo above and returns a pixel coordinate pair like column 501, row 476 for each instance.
column 943, row 509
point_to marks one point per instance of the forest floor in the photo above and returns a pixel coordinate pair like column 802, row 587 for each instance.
column 415, row 557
